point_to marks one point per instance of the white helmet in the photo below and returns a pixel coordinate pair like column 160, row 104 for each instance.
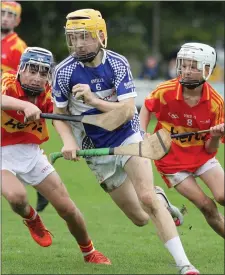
column 204, row 54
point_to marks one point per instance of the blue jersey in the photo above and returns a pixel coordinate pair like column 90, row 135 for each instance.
column 110, row 81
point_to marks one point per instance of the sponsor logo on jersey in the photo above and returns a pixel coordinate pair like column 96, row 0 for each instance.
column 174, row 116
column 57, row 93
column 97, row 80
column 205, row 121
column 129, row 85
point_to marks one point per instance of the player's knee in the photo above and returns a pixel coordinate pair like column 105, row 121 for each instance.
column 16, row 198
column 220, row 199
column 145, row 198
column 66, row 208
column 149, row 201
column 208, row 207
column 140, row 222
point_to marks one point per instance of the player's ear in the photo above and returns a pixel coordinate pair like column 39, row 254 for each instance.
column 101, row 35
column 207, row 70
column 18, row 20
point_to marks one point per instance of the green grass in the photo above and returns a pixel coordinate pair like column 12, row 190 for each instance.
column 133, row 250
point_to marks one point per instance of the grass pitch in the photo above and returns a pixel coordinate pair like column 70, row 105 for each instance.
column 132, row 250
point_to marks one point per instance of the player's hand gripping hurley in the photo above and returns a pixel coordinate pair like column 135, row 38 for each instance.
column 184, row 135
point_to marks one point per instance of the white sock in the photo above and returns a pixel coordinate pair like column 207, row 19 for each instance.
column 87, row 253
column 33, row 217
column 176, row 249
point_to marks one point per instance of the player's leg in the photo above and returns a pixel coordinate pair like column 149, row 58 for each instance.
column 174, row 211
column 126, row 198
column 142, row 180
column 161, row 195
column 41, row 202
column 113, row 179
column 51, row 187
column 139, row 171
column 55, row 191
column 15, row 193
column 192, row 191
column 208, row 173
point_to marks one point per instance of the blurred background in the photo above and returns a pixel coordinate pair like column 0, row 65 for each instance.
column 148, row 33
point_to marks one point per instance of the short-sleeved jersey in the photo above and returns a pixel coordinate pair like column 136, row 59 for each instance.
column 13, row 128
column 110, row 81
column 176, row 116
column 12, row 48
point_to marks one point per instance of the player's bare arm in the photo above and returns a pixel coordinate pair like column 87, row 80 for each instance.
column 31, row 111
column 145, row 117
column 213, row 143
column 11, row 103
column 83, row 92
column 64, row 130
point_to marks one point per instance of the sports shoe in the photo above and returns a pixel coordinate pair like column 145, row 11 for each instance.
column 38, row 231
column 174, row 211
column 189, row 270
column 97, row 257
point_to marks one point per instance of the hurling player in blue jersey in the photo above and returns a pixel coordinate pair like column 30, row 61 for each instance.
column 94, row 80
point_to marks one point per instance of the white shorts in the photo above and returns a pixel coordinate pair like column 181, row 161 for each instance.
column 174, row 179
column 27, row 162
column 109, row 169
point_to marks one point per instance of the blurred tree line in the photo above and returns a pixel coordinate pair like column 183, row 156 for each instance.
column 135, row 29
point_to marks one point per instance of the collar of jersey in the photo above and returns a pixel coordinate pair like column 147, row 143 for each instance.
column 10, row 37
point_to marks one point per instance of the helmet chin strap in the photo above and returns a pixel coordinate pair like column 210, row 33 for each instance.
column 5, row 30
column 31, row 91
column 88, row 57
column 191, row 84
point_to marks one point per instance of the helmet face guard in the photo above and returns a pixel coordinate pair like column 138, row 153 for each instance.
column 82, row 45
column 39, row 62
column 195, row 59
column 191, row 68
column 83, row 34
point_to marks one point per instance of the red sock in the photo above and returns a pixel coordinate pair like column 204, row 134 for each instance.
column 87, row 249
column 31, row 215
